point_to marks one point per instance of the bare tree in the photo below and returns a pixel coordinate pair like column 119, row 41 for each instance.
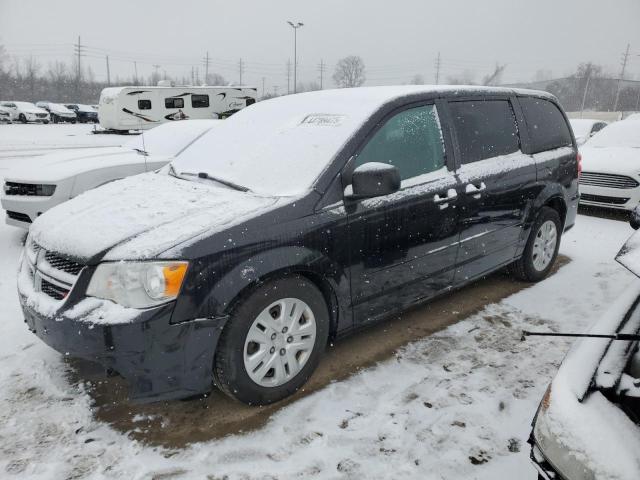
column 349, row 72
column 215, row 79
column 417, row 79
column 494, row 77
column 467, row 77
column 31, row 70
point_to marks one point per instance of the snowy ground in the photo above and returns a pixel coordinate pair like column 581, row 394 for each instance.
column 456, row 405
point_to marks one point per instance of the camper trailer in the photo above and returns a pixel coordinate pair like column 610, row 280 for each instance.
column 139, row 108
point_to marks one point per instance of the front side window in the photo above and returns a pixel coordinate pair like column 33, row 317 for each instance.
column 199, row 101
column 484, row 128
column 174, row 102
column 410, row 140
column 144, row 104
column 547, row 127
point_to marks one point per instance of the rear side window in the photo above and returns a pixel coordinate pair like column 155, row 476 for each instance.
column 546, row 124
column 144, row 104
column 410, row 140
column 174, row 102
column 199, row 101
column 485, row 129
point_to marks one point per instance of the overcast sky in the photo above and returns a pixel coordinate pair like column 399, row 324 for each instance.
column 397, row 40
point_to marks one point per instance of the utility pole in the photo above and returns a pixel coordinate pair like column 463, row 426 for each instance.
column 263, row 87
column 586, row 88
column 240, row 70
column 108, row 72
column 288, row 76
column 193, row 77
column 80, row 53
column 321, row 68
column 135, row 71
column 295, row 27
column 206, row 68
column 625, row 59
column 438, row 69
column 156, row 75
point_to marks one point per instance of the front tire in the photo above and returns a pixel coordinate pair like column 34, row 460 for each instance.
column 541, row 250
column 273, row 341
column 22, row 118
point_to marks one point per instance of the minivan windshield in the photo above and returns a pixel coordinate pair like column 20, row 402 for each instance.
column 279, row 147
column 625, row 133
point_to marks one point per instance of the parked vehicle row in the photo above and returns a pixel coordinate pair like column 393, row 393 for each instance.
column 295, row 221
column 45, row 112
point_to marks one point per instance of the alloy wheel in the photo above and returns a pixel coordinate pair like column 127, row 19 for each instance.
column 544, row 245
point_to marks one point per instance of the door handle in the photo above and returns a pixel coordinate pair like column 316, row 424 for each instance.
column 443, row 201
column 475, row 191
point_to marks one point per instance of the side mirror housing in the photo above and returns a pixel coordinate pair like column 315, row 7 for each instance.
column 634, row 218
column 374, row 179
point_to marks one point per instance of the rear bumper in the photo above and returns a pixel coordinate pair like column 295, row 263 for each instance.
column 158, row 359
column 31, row 207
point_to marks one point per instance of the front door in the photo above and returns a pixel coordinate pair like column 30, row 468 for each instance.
column 498, row 183
column 403, row 246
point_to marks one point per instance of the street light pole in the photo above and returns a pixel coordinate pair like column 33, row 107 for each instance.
column 295, row 27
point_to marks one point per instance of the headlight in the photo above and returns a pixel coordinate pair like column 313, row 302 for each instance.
column 552, row 448
column 138, row 284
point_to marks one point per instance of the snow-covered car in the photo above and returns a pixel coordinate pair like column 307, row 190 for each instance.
column 5, row 115
column 611, row 167
column 85, row 113
column 587, row 426
column 26, row 112
column 58, row 112
column 44, row 182
column 633, row 116
column 585, row 128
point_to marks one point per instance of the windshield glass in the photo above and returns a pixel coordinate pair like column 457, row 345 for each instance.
column 581, row 127
column 619, row 134
column 279, row 147
column 170, row 138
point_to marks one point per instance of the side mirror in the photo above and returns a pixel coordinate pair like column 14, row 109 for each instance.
column 374, row 179
column 634, row 218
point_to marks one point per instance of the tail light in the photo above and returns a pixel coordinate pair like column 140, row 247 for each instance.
column 579, row 158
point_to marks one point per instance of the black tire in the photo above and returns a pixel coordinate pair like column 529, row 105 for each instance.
column 524, row 268
column 54, row 119
column 230, row 374
column 22, row 118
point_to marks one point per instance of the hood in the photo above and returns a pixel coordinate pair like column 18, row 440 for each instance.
column 32, row 110
column 60, row 109
column 629, row 254
column 142, row 216
column 618, row 160
column 68, row 163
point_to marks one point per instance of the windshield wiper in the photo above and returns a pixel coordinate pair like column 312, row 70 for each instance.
column 142, row 152
column 226, row 183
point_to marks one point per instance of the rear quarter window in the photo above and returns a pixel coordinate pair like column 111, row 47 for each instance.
column 546, row 125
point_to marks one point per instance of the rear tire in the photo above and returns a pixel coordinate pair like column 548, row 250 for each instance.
column 273, row 341
column 541, row 250
column 22, row 118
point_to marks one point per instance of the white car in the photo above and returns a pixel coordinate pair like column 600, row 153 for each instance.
column 587, row 426
column 26, row 112
column 585, row 128
column 5, row 115
column 611, row 167
column 57, row 112
column 55, row 178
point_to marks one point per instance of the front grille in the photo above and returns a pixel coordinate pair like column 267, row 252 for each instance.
column 604, row 199
column 64, row 264
column 608, row 180
column 20, row 217
column 54, row 291
column 29, row 189
column 41, row 115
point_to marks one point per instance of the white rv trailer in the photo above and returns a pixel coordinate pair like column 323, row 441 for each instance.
column 139, row 108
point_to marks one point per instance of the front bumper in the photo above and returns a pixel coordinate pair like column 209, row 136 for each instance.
column 160, row 360
column 32, row 206
column 617, row 198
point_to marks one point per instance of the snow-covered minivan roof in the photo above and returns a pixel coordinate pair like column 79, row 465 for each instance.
column 280, row 146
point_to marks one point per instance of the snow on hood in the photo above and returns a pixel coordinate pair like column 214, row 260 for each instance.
column 618, row 160
column 629, row 254
column 68, row 163
column 594, row 430
column 61, row 109
column 29, row 107
column 618, row 134
column 144, row 215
